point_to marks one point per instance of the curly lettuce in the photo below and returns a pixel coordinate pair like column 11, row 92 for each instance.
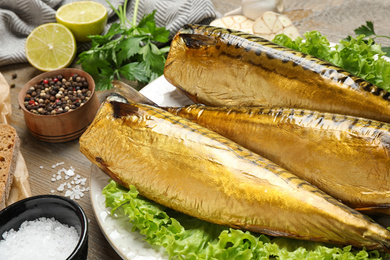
column 185, row 237
column 359, row 56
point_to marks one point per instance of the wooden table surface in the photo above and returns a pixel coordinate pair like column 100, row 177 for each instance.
column 336, row 19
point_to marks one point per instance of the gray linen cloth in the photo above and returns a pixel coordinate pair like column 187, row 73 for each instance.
column 19, row 17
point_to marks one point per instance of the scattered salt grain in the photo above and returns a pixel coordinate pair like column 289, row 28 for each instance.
column 70, row 172
column 43, row 238
column 81, row 181
column 57, row 164
column 61, row 187
column 74, row 183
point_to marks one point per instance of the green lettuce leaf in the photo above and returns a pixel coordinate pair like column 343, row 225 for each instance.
column 185, row 237
column 359, row 56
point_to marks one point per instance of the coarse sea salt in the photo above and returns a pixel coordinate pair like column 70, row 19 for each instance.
column 40, row 239
column 74, row 188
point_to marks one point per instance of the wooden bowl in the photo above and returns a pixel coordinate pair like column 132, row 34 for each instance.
column 60, row 127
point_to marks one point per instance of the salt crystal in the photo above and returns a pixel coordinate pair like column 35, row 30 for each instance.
column 57, row 164
column 70, row 172
column 41, row 167
column 61, row 187
column 68, row 193
column 63, row 170
column 76, row 192
column 43, row 238
column 81, row 181
column 53, row 179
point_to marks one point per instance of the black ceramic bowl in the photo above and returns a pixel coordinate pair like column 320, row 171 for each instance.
column 61, row 208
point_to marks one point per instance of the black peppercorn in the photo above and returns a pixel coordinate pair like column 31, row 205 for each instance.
column 57, row 95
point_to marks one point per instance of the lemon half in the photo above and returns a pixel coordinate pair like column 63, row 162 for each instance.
column 50, row 46
column 83, row 18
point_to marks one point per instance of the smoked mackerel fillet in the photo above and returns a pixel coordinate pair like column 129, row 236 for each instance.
column 223, row 67
column 196, row 171
column 345, row 156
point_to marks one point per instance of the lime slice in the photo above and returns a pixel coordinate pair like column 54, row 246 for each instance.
column 50, row 46
column 83, row 18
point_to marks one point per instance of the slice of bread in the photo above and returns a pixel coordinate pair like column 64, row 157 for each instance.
column 9, row 150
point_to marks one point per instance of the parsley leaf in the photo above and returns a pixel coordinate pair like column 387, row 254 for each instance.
column 369, row 33
column 134, row 71
column 127, row 50
column 367, row 29
column 128, row 47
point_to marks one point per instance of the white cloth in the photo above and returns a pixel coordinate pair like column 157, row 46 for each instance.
column 19, row 17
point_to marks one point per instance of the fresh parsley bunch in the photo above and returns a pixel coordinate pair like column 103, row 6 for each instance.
column 128, row 51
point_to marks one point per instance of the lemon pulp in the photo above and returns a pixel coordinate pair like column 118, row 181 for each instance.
column 83, row 18
column 50, row 46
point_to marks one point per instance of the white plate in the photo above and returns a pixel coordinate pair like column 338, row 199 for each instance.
column 117, row 229
column 163, row 93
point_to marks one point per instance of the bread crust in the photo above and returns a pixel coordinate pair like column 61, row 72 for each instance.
column 9, row 150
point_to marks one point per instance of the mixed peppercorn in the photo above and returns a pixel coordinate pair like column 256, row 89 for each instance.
column 57, row 95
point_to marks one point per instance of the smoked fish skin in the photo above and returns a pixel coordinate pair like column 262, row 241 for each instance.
column 223, row 67
column 347, row 157
column 196, row 171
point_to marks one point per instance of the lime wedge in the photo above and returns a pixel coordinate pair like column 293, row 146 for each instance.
column 83, row 18
column 50, row 46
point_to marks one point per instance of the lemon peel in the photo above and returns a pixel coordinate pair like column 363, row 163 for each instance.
column 83, row 18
